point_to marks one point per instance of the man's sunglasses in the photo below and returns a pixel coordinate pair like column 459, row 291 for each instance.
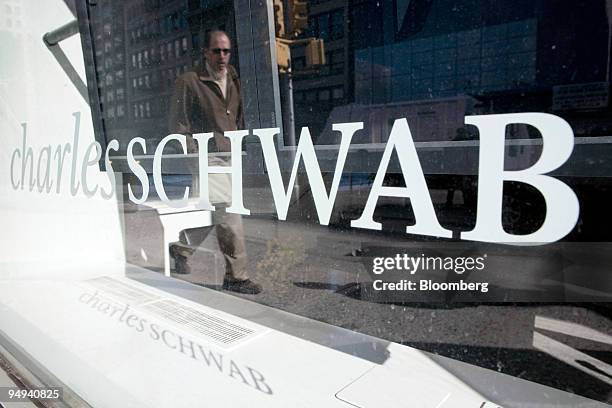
column 218, row 51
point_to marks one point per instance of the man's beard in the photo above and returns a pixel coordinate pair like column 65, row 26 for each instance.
column 218, row 73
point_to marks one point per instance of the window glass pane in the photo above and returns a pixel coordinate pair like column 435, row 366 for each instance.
column 439, row 181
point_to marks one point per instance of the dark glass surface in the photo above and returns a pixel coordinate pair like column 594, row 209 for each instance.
column 432, row 62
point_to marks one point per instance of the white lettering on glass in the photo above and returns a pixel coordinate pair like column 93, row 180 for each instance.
column 562, row 207
column 426, row 223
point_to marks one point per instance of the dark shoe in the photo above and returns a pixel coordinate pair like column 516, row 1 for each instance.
column 180, row 261
column 242, row 286
column 181, row 267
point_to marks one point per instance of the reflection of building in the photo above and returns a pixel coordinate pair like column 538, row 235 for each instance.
column 158, row 51
column 141, row 47
column 508, row 55
column 315, row 94
column 491, row 58
column 108, row 32
column 439, row 119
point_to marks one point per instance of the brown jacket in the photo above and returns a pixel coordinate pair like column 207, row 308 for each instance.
column 198, row 106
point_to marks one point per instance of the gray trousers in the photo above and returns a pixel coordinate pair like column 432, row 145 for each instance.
column 230, row 233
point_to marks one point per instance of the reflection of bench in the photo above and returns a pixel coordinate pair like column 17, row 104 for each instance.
column 175, row 220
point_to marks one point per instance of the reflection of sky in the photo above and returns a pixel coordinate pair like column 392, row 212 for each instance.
column 356, row 179
column 490, row 58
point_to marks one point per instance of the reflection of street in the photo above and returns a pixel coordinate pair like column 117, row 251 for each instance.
column 314, row 275
column 582, row 361
column 495, row 336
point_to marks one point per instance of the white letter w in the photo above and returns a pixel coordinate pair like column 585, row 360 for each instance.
column 305, row 150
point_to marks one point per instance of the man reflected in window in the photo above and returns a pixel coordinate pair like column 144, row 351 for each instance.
column 208, row 100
